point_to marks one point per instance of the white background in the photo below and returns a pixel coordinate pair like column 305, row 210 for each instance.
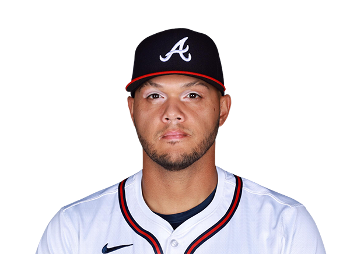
column 18, row 20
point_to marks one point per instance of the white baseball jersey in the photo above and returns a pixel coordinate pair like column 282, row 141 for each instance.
column 242, row 218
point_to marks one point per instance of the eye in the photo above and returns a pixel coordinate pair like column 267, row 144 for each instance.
column 153, row 96
column 193, row 95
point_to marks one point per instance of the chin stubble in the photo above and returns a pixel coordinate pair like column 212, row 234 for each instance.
column 186, row 159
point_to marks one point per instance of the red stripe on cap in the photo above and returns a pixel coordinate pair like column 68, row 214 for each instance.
column 131, row 222
column 175, row 72
column 222, row 222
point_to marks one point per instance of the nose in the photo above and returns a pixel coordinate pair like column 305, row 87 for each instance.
column 173, row 113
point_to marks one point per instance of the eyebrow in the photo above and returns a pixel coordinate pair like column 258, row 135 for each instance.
column 150, row 83
column 197, row 82
column 187, row 85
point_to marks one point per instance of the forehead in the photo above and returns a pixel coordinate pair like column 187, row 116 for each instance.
column 176, row 81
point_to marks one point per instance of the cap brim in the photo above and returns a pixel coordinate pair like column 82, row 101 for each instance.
column 135, row 83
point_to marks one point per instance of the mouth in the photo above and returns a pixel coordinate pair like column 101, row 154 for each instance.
column 174, row 135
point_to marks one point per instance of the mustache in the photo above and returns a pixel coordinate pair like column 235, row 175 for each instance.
column 165, row 129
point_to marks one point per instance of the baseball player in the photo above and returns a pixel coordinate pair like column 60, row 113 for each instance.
column 180, row 202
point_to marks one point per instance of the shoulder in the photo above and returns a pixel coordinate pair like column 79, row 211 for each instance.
column 93, row 199
column 252, row 190
column 62, row 233
column 264, row 204
column 292, row 214
column 270, row 208
column 105, row 200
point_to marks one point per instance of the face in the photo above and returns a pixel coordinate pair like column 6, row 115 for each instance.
column 177, row 119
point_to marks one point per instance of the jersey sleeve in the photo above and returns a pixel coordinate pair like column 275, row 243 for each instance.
column 303, row 236
column 59, row 236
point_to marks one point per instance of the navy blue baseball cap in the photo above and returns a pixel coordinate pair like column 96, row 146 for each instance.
column 177, row 51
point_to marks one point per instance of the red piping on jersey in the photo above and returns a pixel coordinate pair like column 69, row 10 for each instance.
column 227, row 217
column 131, row 222
column 197, row 242
column 175, row 72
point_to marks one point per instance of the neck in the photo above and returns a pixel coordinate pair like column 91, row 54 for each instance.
column 170, row 192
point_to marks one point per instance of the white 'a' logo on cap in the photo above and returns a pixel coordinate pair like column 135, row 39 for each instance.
column 180, row 51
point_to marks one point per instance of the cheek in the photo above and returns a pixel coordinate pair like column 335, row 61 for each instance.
column 139, row 117
column 145, row 121
column 204, row 118
column 209, row 109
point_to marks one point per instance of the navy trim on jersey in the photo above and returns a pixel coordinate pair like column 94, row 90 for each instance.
column 222, row 222
column 177, row 219
column 133, row 224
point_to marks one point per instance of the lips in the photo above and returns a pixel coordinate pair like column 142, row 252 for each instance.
column 174, row 135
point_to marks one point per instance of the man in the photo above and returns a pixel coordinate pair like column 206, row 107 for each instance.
column 181, row 202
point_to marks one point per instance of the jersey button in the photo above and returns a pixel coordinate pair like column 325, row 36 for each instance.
column 174, row 243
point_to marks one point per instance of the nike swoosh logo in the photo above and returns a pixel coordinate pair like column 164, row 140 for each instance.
column 108, row 250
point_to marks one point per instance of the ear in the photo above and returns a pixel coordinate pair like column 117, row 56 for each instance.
column 131, row 107
column 225, row 105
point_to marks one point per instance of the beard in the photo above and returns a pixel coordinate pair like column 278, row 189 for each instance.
column 185, row 159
